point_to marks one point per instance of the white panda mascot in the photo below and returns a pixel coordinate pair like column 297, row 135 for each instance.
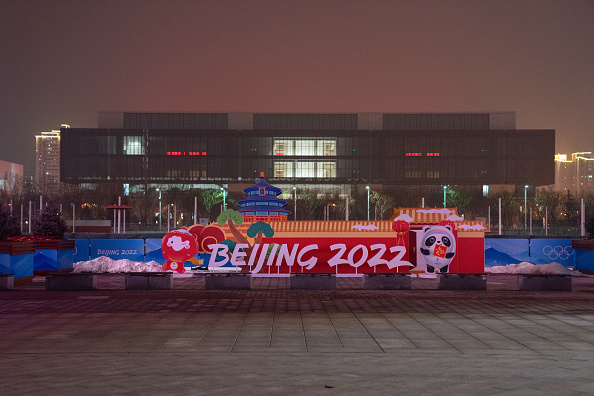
column 438, row 247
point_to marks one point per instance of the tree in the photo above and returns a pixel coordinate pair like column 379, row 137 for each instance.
column 49, row 222
column 341, row 206
column 569, row 207
column 459, row 199
column 231, row 218
column 9, row 225
column 550, row 199
column 143, row 201
column 309, row 203
column 590, row 227
column 509, row 207
column 383, row 201
column 210, row 197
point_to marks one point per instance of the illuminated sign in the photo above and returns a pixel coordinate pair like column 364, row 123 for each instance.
column 318, row 255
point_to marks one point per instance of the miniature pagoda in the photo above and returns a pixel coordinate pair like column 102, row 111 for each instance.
column 262, row 203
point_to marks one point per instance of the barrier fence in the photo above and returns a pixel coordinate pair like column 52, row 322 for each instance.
column 498, row 250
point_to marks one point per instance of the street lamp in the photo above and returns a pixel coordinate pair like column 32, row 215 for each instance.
column 224, row 198
column 160, row 208
column 525, row 212
column 444, row 195
column 367, row 187
column 295, row 211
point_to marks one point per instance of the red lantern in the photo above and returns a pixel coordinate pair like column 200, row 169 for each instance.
column 401, row 227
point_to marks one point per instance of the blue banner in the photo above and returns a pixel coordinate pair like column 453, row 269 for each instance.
column 5, row 264
column 118, row 249
column 153, row 250
column 504, row 251
column 546, row 251
column 81, row 250
column 584, row 260
column 21, row 265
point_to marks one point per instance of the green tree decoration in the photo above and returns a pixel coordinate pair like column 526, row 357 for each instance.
column 49, row 222
column 9, row 225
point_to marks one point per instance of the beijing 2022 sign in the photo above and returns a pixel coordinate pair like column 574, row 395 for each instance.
column 316, row 255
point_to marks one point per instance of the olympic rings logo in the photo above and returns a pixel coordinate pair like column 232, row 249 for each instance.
column 557, row 252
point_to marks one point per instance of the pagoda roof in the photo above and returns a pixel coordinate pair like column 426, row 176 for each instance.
column 264, row 208
column 262, row 183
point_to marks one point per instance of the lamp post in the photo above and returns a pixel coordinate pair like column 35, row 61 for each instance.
column 73, row 216
column 525, row 211
column 367, row 187
column 224, row 198
column 160, row 208
column 295, row 211
column 444, row 195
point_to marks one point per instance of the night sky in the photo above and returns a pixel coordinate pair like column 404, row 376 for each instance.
column 63, row 61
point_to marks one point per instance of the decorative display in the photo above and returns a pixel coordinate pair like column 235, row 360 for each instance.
column 262, row 203
column 259, row 239
column 438, row 247
column 178, row 246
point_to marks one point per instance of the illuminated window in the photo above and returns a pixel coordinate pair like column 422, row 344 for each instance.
column 305, row 147
column 305, row 169
column 133, row 145
column 485, row 190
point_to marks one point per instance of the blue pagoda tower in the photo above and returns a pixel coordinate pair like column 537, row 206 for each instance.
column 262, row 203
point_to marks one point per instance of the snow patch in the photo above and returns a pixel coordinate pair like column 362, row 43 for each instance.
column 528, row 268
column 404, row 217
column 106, row 264
column 367, row 227
column 443, row 211
column 455, row 218
column 473, row 227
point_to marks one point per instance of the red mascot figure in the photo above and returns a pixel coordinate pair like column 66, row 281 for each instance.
column 178, row 246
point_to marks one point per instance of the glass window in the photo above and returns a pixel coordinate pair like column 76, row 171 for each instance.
column 305, row 147
column 133, row 145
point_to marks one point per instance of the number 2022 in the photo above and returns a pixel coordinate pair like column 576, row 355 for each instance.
column 373, row 261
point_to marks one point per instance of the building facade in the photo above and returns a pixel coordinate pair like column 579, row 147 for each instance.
column 11, row 178
column 575, row 174
column 47, row 167
column 336, row 152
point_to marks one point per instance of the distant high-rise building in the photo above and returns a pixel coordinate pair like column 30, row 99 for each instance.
column 11, row 177
column 47, row 169
column 575, row 174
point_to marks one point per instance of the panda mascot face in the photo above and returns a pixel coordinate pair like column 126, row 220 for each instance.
column 438, row 247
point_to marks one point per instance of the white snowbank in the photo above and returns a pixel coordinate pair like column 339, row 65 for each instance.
column 404, row 217
column 471, row 227
column 367, row 227
column 106, row 264
column 527, row 268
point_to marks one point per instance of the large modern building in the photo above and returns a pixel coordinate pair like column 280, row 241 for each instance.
column 11, row 178
column 337, row 153
column 575, row 174
column 47, row 167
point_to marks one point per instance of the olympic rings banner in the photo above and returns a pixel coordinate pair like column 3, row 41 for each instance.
column 544, row 251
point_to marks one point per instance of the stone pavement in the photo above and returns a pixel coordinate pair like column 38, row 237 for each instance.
column 273, row 340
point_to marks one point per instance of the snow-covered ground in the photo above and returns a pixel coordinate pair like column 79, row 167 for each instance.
column 106, row 264
column 527, row 268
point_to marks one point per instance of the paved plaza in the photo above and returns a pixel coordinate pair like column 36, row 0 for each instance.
column 272, row 340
